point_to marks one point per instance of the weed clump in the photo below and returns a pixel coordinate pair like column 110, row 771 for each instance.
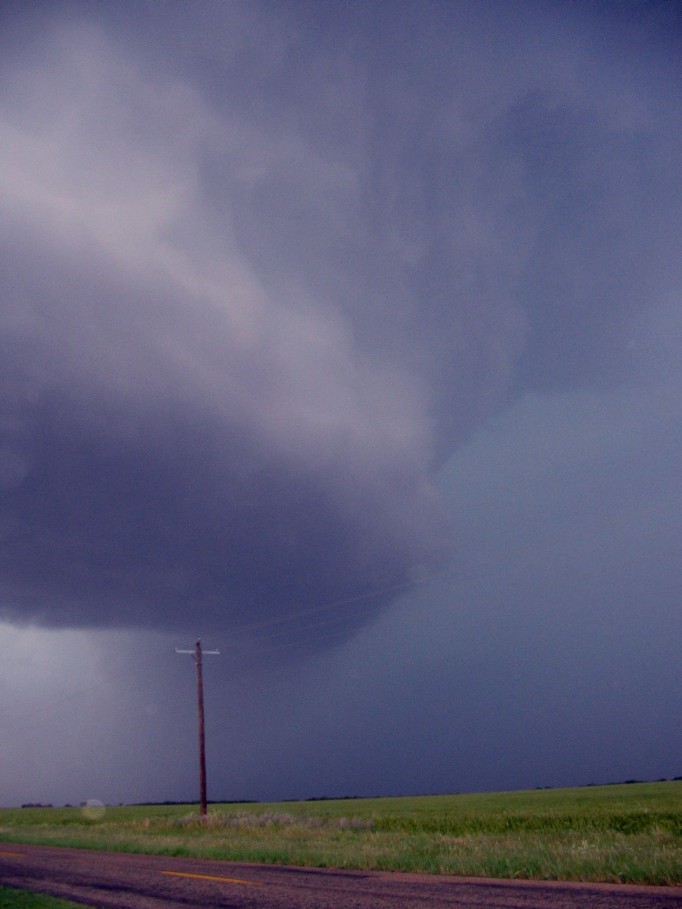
column 266, row 819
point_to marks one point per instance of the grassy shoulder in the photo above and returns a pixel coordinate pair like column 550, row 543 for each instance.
column 11, row 898
column 626, row 833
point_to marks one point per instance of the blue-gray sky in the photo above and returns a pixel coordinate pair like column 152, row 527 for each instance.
column 347, row 337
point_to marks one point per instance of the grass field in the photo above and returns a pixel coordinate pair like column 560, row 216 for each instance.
column 23, row 899
column 622, row 833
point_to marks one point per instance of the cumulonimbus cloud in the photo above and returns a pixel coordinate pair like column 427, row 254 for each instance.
column 232, row 355
column 176, row 437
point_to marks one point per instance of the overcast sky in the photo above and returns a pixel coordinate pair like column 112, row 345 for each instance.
column 347, row 337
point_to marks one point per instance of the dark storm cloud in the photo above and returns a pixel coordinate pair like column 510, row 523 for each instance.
column 174, row 433
column 260, row 274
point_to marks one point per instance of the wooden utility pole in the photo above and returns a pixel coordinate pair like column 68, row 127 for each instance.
column 200, row 706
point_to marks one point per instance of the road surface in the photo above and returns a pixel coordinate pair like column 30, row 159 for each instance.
column 119, row 881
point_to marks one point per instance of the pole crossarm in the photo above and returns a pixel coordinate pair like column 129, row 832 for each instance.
column 197, row 654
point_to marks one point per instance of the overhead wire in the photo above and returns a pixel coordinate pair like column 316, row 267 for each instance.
column 338, row 604
column 71, row 696
column 316, row 610
column 304, row 641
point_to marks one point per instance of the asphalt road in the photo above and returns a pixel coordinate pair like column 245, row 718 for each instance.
column 120, row 881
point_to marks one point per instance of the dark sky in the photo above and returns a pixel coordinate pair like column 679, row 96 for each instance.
column 347, row 337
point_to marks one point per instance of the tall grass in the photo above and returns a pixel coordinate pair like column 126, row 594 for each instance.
column 626, row 833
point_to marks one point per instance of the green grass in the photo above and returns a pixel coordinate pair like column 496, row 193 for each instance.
column 25, row 899
column 624, row 833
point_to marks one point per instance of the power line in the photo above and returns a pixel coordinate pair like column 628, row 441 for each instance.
column 72, row 696
column 337, row 604
column 302, row 629
column 264, row 623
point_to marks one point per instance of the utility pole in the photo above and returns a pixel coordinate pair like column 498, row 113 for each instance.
column 197, row 653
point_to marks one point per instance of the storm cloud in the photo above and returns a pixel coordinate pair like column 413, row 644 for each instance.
column 249, row 304
column 176, row 430
column 348, row 337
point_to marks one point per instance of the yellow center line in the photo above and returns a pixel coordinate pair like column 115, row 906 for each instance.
column 15, row 854
column 212, row 877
